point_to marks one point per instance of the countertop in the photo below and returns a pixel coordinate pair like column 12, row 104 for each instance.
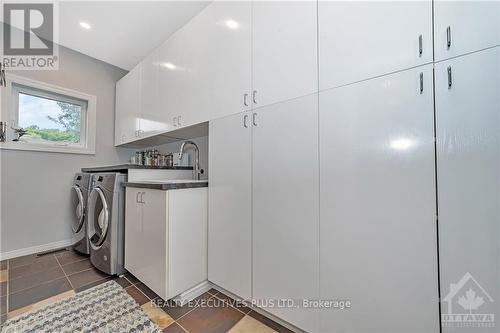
column 126, row 167
column 168, row 184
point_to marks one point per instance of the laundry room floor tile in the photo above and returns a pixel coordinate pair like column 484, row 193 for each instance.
column 77, row 266
column 32, row 282
column 38, row 293
column 35, row 279
column 4, row 275
column 4, row 264
column 86, row 277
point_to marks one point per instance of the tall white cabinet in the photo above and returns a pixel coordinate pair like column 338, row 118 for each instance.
column 230, row 204
column 378, row 211
column 468, row 150
column 128, row 102
column 363, row 39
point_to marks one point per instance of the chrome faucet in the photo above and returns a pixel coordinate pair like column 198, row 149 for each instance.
column 197, row 170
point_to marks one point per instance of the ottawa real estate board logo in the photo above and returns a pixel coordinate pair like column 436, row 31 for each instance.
column 30, row 36
column 468, row 306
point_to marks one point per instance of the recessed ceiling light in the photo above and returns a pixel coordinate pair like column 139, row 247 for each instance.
column 85, row 25
column 232, row 24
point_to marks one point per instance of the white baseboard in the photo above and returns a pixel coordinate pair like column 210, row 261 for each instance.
column 36, row 249
column 194, row 292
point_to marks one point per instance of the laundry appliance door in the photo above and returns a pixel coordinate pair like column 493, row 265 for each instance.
column 98, row 218
column 78, row 205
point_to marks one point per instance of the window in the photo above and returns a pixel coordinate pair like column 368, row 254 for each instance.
column 54, row 119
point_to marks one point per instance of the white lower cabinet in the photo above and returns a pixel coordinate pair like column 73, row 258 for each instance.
column 468, row 151
column 165, row 238
column 230, row 204
column 378, row 210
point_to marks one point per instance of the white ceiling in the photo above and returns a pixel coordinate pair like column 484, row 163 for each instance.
column 122, row 32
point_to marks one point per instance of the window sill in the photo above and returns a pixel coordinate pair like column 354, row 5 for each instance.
column 45, row 148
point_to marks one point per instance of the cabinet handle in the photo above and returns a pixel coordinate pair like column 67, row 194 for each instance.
column 254, row 119
column 245, row 99
column 450, row 82
column 420, row 46
column 143, row 194
column 245, row 121
column 137, row 197
column 421, row 82
column 174, row 121
column 254, row 97
column 179, row 120
column 448, row 37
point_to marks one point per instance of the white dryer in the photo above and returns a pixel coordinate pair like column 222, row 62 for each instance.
column 106, row 215
column 79, row 195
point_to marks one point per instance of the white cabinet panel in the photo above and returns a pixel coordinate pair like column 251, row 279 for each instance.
column 187, row 246
column 133, row 231
column 207, row 64
column 230, row 202
column 284, row 49
column 467, row 122
column 473, row 25
column 285, row 207
column 378, row 210
column 364, row 39
column 153, row 118
column 154, row 241
column 128, row 106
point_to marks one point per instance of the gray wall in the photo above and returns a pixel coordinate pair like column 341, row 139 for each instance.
column 35, row 186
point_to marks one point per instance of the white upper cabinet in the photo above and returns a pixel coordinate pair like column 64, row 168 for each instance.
column 284, row 50
column 468, row 151
column 378, row 210
column 286, row 207
column 206, row 66
column 363, row 39
column 465, row 26
column 230, row 204
column 128, row 106
column 154, row 119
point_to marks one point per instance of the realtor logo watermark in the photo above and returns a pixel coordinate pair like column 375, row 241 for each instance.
column 468, row 305
column 30, row 36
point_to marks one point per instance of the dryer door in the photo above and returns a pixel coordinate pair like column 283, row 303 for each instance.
column 98, row 218
column 79, row 208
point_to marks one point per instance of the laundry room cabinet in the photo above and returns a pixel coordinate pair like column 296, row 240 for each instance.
column 462, row 27
column 364, row 39
column 378, row 240
column 165, row 238
column 468, row 152
column 263, row 211
column 230, row 204
column 127, row 104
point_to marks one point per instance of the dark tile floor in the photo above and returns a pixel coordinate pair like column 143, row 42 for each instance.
column 30, row 282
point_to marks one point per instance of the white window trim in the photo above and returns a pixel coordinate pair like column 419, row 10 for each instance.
column 8, row 114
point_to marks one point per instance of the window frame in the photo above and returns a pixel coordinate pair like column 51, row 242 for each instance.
column 10, row 112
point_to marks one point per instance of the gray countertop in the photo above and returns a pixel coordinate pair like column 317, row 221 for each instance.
column 126, row 167
column 168, row 184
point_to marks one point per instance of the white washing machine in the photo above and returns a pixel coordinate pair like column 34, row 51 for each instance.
column 105, row 225
column 79, row 195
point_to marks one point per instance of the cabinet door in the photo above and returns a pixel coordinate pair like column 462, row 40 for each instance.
column 187, row 242
column 153, row 118
column 128, row 107
column 208, row 64
column 285, row 207
column 466, row 26
column 378, row 207
column 154, row 249
column 467, row 122
column 364, row 39
column 284, row 49
column 134, row 260
column 230, row 202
